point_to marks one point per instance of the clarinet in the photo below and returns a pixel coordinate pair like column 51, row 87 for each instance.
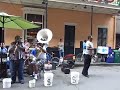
column 16, row 46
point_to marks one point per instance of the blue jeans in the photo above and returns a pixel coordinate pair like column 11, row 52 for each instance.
column 61, row 53
column 17, row 67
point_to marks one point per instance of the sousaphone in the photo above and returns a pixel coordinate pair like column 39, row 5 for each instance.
column 44, row 35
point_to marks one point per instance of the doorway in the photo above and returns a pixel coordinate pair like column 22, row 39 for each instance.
column 69, row 39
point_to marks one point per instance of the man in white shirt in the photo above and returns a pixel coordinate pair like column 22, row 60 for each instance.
column 87, row 55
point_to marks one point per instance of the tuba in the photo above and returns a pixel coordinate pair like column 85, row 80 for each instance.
column 44, row 35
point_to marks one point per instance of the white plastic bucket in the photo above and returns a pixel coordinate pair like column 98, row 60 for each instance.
column 7, row 83
column 47, row 66
column 61, row 60
column 48, row 79
column 32, row 83
column 75, row 77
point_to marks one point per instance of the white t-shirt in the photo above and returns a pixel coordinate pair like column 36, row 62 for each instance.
column 89, row 45
column 61, row 46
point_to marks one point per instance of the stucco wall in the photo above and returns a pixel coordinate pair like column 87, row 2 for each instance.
column 58, row 17
column 13, row 10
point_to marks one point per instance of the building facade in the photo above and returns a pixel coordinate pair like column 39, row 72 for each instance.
column 72, row 20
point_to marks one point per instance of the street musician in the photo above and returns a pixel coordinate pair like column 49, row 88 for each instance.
column 17, row 56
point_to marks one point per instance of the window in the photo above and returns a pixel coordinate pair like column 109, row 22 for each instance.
column 102, row 37
column 31, row 34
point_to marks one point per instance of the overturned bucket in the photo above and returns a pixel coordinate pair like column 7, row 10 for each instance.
column 32, row 83
column 48, row 79
column 7, row 83
column 75, row 77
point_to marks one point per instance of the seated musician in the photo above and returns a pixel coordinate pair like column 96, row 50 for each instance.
column 45, row 57
column 3, row 49
column 33, row 67
column 38, row 53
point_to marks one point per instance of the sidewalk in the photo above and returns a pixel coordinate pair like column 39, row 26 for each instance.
column 78, row 64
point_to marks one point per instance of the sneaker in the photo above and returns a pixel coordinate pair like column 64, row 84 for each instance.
column 22, row 81
column 36, row 76
column 86, row 75
column 12, row 82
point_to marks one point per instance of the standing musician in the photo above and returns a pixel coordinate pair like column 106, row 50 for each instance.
column 17, row 56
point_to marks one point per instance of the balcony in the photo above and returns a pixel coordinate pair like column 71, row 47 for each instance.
column 101, row 2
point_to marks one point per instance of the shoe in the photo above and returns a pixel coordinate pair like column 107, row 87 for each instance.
column 22, row 81
column 12, row 82
column 36, row 76
column 86, row 75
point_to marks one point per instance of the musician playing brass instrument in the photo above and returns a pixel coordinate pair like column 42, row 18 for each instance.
column 17, row 56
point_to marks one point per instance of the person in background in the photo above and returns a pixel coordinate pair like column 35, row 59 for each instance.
column 61, row 48
column 3, row 49
column 87, row 55
column 27, row 49
column 27, row 44
column 3, row 56
column 17, row 56
column 84, row 48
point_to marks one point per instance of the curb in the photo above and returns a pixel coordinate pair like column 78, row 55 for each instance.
column 99, row 64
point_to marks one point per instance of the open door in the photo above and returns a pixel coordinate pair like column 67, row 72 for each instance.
column 69, row 39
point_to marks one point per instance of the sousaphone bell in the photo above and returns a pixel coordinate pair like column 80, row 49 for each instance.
column 44, row 35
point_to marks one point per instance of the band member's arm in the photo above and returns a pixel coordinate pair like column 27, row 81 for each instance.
column 90, row 47
column 42, row 49
column 21, row 47
column 11, row 48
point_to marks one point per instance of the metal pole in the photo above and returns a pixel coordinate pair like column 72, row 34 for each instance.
column 91, row 19
column 2, row 41
column 45, row 2
column 46, row 13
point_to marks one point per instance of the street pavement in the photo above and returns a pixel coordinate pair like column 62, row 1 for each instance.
column 101, row 78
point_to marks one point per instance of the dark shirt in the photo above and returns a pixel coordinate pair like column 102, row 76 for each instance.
column 16, row 51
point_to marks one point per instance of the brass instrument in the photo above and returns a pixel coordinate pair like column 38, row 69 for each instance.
column 44, row 35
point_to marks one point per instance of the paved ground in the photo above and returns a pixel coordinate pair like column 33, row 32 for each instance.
column 101, row 78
